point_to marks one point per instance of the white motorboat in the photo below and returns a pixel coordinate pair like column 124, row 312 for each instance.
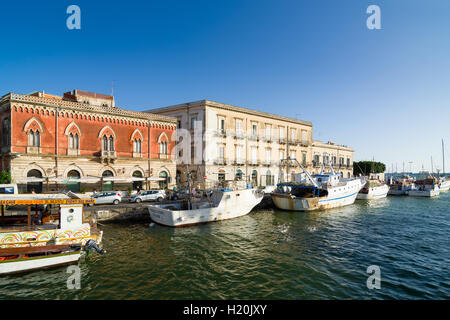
column 224, row 203
column 373, row 189
column 428, row 187
column 320, row 191
column 444, row 183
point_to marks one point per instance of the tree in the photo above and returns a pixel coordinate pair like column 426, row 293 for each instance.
column 5, row 177
column 367, row 167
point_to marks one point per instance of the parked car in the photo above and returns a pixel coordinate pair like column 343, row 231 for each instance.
column 149, row 195
column 179, row 195
column 107, row 197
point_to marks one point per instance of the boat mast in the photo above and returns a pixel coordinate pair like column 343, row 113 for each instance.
column 443, row 158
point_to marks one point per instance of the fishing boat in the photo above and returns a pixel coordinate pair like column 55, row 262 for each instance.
column 444, row 183
column 228, row 202
column 44, row 238
column 314, row 192
column 373, row 189
column 400, row 186
column 428, row 187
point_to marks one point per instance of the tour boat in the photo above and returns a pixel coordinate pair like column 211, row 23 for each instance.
column 45, row 239
column 428, row 187
column 315, row 192
column 400, row 186
column 223, row 204
column 373, row 189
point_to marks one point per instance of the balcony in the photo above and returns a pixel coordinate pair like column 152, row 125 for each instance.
column 34, row 150
column 137, row 154
column 267, row 163
column 317, row 164
column 305, row 143
column 239, row 135
column 73, row 152
column 268, row 139
column 254, row 162
column 221, row 133
column 293, row 142
column 220, row 161
column 282, row 140
column 163, row 156
column 109, row 154
column 253, row 137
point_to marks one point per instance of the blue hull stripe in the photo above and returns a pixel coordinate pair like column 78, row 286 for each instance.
column 339, row 198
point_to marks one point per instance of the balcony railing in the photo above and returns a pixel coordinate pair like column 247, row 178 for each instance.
column 220, row 161
column 221, row 133
column 282, row 140
column 239, row 135
column 34, row 150
column 317, row 164
column 253, row 137
column 73, row 152
column 108, row 154
column 254, row 162
column 305, row 143
column 293, row 142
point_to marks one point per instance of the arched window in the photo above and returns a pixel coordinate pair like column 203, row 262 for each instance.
column 137, row 145
column 31, row 138
column 111, row 143
column 77, row 141
column 105, row 143
column 37, row 139
column 71, row 141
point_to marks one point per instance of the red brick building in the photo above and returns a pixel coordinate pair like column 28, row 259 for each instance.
column 82, row 141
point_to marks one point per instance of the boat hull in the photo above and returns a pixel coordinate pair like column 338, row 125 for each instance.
column 445, row 186
column 374, row 193
column 424, row 193
column 34, row 263
column 238, row 204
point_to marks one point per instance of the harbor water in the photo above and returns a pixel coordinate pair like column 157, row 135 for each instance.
column 268, row 254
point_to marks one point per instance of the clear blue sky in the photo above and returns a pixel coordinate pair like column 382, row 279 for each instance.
column 386, row 93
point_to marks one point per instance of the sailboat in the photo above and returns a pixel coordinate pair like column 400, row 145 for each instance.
column 444, row 182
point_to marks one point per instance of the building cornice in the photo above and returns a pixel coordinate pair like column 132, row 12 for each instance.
column 229, row 107
column 81, row 107
column 320, row 144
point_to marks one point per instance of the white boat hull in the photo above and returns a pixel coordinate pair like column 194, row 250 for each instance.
column 338, row 196
column 445, row 186
column 33, row 263
column 233, row 205
column 374, row 193
column 424, row 193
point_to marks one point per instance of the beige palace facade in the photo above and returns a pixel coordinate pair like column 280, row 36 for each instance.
column 232, row 142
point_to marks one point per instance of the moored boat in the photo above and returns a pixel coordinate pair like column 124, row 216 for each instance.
column 400, row 186
column 316, row 192
column 224, row 203
column 444, row 183
column 373, row 189
column 428, row 187
column 45, row 238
